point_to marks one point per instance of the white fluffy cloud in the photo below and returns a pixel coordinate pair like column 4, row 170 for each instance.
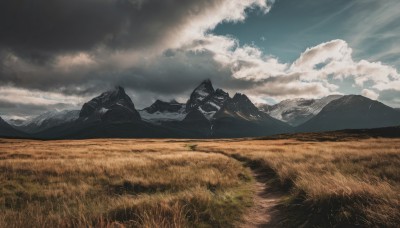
column 317, row 72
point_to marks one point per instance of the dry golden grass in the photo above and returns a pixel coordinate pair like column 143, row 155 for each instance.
column 186, row 183
column 329, row 183
column 135, row 183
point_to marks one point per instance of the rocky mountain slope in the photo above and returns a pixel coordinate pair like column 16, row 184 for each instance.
column 206, row 99
column 239, row 117
column 297, row 111
column 352, row 112
column 48, row 120
column 111, row 106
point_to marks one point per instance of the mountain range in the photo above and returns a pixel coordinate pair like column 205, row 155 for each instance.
column 208, row 113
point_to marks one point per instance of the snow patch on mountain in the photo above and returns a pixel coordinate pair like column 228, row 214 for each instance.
column 61, row 116
column 207, row 100
column 297, row 111
column 48, row 120
column 199, row 95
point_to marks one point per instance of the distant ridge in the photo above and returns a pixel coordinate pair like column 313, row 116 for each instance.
column 352, row 112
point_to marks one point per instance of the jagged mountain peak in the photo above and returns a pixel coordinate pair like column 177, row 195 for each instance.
column 206, row 99
column 199, row 95
column 213, row 103
column 114, row 105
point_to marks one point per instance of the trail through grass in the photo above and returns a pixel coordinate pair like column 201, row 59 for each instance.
column 197, row 183
column 329, row 184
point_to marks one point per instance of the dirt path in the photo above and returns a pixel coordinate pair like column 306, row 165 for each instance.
column 264, row 212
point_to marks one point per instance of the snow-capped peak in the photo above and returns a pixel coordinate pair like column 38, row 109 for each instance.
column 297, row 111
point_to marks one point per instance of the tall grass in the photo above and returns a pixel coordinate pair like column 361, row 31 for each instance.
column 348, row 183
column 172, row 183
column 104, row 183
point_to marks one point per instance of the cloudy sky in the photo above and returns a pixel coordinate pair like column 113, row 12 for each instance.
column 58, row 54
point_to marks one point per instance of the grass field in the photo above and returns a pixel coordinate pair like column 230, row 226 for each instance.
column 196, row 183
column 342, row 183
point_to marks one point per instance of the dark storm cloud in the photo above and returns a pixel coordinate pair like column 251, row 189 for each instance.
column 173, row 73
column 36, row 29
column 35, row 34
column 179, row 73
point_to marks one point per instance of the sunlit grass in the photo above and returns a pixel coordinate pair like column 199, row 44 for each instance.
column 353, row 182
column 108, row 182
column 185, row 183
